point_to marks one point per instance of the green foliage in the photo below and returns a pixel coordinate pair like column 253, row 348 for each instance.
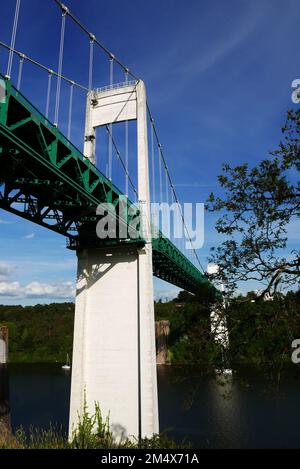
column 257, row 206
column 52, row 438
column 260, row 332
column 190, row 341
column 93, row 432
column 39, row 334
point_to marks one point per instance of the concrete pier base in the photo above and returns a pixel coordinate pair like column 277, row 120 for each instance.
column 114, row 358
column 162, row 334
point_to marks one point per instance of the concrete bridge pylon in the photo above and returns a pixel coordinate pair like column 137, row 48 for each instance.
column 114, row 357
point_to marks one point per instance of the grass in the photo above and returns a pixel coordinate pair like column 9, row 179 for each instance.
column 93, row 432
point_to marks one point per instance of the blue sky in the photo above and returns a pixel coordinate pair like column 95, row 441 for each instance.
column 218, row 75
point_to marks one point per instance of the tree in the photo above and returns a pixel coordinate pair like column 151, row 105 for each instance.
column 261, row 334
column 259, row 205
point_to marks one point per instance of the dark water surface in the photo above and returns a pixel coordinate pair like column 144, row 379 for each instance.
column 241, row 413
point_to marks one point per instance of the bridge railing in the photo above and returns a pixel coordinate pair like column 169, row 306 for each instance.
column 114, row 86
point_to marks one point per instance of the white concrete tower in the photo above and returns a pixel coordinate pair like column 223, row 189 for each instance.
column 217, row 319
column 114, row 358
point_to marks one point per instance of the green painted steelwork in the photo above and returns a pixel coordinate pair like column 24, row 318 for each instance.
column 44, row 178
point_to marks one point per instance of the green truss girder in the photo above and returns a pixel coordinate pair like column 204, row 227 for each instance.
column 46, row 179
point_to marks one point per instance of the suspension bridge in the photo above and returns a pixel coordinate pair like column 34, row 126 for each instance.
column 47, row 179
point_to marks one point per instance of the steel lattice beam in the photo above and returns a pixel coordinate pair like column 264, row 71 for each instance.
column 46, row 179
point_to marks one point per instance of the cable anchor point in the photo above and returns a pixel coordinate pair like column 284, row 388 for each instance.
column 65, row 10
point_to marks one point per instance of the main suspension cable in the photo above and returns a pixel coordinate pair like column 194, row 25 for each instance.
column 99, row 44
column 42, row 67
column 113, row 59
column 125, row 68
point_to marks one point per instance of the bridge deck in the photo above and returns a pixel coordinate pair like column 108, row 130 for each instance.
column 44, row 178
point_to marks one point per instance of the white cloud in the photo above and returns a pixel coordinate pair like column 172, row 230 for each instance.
column 166, row 294
column 9, row 289
column 30, row 236
column 6, row 269
column 63, row 290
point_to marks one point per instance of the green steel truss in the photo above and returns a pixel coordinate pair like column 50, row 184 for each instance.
column 44, row 178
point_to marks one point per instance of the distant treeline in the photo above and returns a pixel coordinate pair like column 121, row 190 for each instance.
column 39, row 334
column 261, row 332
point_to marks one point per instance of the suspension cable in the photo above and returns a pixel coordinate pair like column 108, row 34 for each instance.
column 42, row 67
column 160, row 173
column 110, row 145
column 60, row 62
column 119, row 156
column 21, row 63
column 173, row 188
column 116, row 60
column 126, row 146
column 153, row 160
column 113, row 59
column 48, row 93
column 13, row 40
column 99, row 44
column 70, row 110
column 167, row 185
column 91, row 60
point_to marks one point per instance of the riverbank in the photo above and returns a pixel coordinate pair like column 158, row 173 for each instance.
column 93, row 432
column 7, row 439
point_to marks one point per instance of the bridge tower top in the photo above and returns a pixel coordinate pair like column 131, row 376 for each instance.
column 110, row 105
column 117, row 103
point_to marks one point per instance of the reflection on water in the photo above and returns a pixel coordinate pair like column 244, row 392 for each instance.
column 39, row 395
column 227, row 414
column 208, row 413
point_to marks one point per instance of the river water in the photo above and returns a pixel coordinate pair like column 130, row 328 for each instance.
column 241, row 412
